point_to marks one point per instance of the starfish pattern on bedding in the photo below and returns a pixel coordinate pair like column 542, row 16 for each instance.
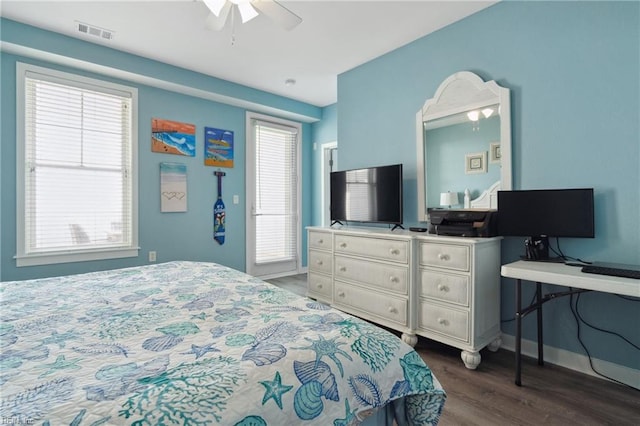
column 198, row 351
column 60, row 364
column 275, row 389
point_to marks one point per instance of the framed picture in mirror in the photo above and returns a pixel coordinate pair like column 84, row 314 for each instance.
column 475, row 163
column 494, row 152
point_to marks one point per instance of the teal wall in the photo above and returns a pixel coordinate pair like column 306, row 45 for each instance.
column 573, row 69
column 175, row 236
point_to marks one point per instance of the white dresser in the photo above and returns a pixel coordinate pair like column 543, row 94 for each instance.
column 458, row 293
column 366, row 272
column 444, row 288
column 320, row 265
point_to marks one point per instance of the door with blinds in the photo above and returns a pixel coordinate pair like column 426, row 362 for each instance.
column 273, row 196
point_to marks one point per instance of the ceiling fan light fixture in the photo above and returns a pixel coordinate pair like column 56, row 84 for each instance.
column 247, row 12
column 217, row 23
column 248, row 9
column 215, row 5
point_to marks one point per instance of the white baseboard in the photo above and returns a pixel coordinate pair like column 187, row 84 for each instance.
column 575, row 361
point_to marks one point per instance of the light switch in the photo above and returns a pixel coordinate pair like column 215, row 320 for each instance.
column 236, row 199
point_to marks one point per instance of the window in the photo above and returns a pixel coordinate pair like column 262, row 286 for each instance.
column 76, row 168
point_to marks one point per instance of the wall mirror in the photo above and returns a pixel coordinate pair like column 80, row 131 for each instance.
column 463, row 140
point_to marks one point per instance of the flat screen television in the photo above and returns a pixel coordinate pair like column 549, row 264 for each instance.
column 542, row 213
column 372, row 194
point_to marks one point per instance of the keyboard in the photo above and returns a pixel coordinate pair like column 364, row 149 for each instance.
column 613, row 269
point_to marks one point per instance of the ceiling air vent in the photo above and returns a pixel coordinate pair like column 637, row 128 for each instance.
column 94, row 31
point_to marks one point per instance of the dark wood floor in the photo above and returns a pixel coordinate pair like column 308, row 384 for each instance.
column 550, row 395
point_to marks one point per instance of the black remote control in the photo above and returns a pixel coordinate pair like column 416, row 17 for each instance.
column 414, row 229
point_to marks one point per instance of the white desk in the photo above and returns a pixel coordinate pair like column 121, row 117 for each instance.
column 557, row 274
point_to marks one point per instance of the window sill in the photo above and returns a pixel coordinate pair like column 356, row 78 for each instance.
column 75, row 256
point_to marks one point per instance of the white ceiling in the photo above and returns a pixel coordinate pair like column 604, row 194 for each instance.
column 334, row 36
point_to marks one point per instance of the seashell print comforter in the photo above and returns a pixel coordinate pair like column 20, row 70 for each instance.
column 194, row 343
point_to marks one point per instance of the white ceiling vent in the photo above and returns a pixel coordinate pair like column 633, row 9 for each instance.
column 94, row 31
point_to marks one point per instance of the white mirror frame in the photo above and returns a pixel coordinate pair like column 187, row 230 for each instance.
column 462, row 92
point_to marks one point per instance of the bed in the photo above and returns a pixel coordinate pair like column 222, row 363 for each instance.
column 200, row 344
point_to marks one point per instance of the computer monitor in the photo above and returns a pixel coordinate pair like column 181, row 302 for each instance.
column 542, row 213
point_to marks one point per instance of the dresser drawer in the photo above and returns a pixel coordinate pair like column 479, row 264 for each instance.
column 370, row 302
column 319, row 240
column 452, row 256
column 320, row 261
column 448, row 287
column 381, row 275
column 378, row 248
column 449, row 322
column 319, row 284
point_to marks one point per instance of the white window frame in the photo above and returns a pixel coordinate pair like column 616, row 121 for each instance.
column 92, row 252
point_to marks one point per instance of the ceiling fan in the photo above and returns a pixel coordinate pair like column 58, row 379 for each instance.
column 221, row 9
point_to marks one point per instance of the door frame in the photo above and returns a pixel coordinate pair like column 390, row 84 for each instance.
column 326, row 168
column 250, row 240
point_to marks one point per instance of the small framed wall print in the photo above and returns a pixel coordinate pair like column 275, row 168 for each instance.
column 475, row 163
column 218, row 147
column 494, row 152
column 173, row 187
column 173, row 137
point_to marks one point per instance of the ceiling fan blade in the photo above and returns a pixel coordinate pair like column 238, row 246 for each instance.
column 247, row 12
column 215, row 5
column 216, row 23
column 277, row 13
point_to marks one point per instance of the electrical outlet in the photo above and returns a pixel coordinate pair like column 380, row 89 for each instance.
column 236, row 199
column 152, row 256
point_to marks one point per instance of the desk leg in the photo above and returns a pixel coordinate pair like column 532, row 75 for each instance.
column 518, row 329
column 539, row 315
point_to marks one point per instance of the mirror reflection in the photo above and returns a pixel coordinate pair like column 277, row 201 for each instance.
column 464, row 145
column 452, row 167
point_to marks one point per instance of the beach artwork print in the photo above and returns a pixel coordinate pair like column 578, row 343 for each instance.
column 173, row 187
column 218, row 147
column 173, row 137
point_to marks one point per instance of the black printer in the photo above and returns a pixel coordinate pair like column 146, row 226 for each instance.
column 463, row 223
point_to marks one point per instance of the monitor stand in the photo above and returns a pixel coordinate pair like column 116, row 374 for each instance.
column 537, row 249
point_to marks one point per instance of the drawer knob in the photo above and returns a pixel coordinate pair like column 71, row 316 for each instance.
column 394, row 251
column 443, row 287
column 320, row 241
column 443, row 256
column 443, row 321
column 343, row 245
column 342, row 268
column 320, row 262
column 393, row 279
column 341, row 294
column 319, row 286
column 392, row 310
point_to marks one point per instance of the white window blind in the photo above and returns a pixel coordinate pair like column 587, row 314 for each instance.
column 276, row 193
column 78, row 168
